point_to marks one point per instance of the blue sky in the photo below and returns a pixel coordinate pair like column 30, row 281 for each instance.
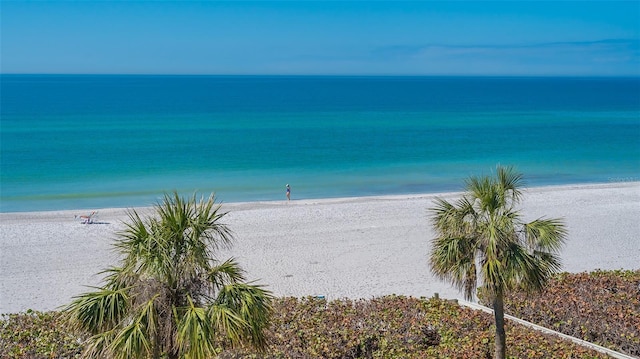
column 580, row 38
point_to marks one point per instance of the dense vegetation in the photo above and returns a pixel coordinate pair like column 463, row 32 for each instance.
column 602, row 307
column 599, row 307
column 37, row 335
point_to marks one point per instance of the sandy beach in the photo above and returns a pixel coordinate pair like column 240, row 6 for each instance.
column 348, row 247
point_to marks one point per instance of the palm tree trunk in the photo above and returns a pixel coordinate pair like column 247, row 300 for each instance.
column 501, row 337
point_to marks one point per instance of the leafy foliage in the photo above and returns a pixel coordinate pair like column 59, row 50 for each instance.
column 386, row 327
column 37, row 335
column 399, row 327
column 599, row 307
column 350, row 329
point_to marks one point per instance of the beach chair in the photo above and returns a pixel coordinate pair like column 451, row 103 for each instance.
column 87, row 218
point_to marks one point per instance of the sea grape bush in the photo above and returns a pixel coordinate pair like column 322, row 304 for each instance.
column 37, row 335
column 599, row 307
column 352, row 329
column 386, row 327
column 398, row 327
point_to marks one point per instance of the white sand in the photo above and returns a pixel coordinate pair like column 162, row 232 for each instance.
column 355, row 247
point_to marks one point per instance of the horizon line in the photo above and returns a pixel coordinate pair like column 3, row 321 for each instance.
column 326, row 75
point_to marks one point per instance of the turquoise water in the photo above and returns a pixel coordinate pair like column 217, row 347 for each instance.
column 71, row 142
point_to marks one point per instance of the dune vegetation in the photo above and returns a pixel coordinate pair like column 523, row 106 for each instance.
column 601, row 307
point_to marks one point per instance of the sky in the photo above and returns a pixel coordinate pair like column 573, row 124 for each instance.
column 511, row 38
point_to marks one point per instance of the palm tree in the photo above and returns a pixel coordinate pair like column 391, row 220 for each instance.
column 482, row 243
column 170, row 297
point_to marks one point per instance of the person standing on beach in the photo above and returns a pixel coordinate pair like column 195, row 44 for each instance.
column 288, row 193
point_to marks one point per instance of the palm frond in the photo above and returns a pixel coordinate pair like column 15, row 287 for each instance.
column 225, row 273
column 136, row 339
column 548, row 265
column 116, row 278
column 156, row 258
column 453, row 259
column 503, row 229
column 131, row 342
column 443, row 214
column 493, row 275
column 227, row 322
column 174, row 213
column 133, row 236
column 99, row 311
column 208, row 225
column 453, row 220
column 482, row 194
column 144, row 246
column 529, row 270
column 148, row 316
column 509, row 184
column 252, row 304
column 195, row 334
column 97, row 347
column 546, row 234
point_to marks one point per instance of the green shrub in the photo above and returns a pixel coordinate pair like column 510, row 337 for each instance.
column 601, row 307
column 601, row 304
column 37, row 335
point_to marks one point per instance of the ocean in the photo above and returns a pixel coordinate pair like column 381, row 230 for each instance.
column 96, row 141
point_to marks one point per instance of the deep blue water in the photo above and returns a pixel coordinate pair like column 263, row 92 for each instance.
column 75, row 141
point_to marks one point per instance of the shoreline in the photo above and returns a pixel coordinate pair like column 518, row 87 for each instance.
column 15, row 215
column 355, row 247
